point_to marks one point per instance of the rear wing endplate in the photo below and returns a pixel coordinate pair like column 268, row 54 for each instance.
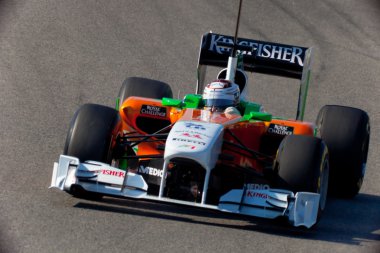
column 260, row 57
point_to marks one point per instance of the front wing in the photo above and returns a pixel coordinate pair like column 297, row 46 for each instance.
column 301, row 208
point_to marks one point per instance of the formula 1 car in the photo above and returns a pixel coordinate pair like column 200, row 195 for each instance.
column 154, row 147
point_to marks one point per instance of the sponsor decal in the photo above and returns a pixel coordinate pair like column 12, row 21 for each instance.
column 196, row 136
column 153, row 110
column 187, row 146
column 279, row 129
column 257, row 187
column 190, row 141
column 289, row 54
column 151, row 171
column 254, row 194
column 113, row 173
column 195, row 126
column 193, row 132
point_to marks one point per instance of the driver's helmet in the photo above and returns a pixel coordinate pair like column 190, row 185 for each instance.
column 220, row 94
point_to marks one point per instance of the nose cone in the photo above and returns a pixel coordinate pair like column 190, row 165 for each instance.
column 199, row 141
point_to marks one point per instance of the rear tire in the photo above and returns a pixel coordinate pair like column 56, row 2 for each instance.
column 301, row 164
column 346, row 132
column 143, row 87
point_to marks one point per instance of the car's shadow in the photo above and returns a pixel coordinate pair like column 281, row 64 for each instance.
column 344, row 221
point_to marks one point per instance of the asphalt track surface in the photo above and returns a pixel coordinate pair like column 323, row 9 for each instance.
column 57, row 55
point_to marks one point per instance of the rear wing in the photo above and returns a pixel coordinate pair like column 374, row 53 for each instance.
column 260, row 57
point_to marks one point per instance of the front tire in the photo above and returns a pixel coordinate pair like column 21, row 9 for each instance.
column 90, row 136
column 91, row 132
column 301, row 164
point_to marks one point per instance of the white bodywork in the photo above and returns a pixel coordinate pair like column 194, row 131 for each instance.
column 197, row 141
column 301, row 209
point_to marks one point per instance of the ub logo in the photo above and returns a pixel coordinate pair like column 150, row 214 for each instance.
column 195, row 126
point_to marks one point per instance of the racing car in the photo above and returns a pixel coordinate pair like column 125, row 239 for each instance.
column 155, row 147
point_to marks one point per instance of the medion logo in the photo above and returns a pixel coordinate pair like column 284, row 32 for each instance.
column 289, row 54
column 257, row 187
column 151, row 171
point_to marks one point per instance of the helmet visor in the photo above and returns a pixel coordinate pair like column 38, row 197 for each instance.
column 218, row 103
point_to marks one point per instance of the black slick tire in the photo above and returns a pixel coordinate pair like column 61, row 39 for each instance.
column 301, row 164
column 91, row 132
column 346, row 132
column 143, row 87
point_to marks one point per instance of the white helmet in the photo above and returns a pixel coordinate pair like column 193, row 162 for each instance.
column 221, row 94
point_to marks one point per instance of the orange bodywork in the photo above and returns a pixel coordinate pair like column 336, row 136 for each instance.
column 251, row 133
column 129, row 111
